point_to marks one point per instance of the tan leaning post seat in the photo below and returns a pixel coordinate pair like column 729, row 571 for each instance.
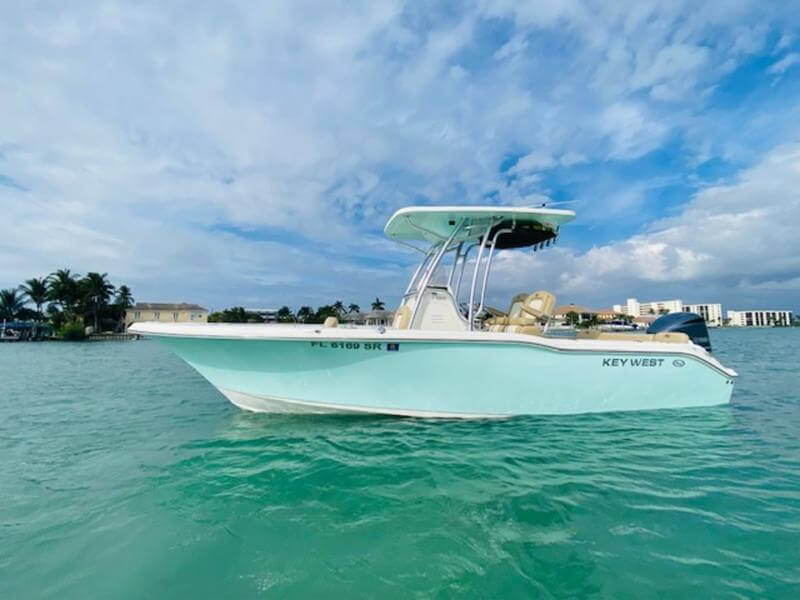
column 666, row 337
column 331, row 322
column 526, row 313
column 514, row 316
column 514, row 312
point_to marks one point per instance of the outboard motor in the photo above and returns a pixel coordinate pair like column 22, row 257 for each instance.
column 691, row 324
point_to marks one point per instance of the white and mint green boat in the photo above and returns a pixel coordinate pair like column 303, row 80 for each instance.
column 447, row 354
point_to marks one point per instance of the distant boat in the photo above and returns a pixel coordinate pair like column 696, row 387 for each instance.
column 618, row 326
column 443, row 354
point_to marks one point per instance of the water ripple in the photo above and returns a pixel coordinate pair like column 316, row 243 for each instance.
column 126, row 475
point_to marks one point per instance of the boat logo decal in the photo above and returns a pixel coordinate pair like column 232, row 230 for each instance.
column 351, row 345
column 678, row 362
column 633, row 362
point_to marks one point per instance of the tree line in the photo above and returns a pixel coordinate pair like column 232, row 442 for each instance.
column 67, row 302
column 590, row 320
column 304, row 314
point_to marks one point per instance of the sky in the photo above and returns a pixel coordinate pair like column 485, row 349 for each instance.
column 246, row 153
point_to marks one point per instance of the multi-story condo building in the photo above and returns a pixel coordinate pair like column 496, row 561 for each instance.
column 712, row 313
column 759, row 318
column 635, row 308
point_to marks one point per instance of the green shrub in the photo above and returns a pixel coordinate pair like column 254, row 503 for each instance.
column 72, row 331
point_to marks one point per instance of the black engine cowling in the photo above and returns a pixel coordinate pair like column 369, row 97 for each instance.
column 691, row 324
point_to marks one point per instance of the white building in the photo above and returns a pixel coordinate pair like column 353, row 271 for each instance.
column 159, row 311
column 634, row 308
column 759, row 318
column 712, row 313
column 379, row 317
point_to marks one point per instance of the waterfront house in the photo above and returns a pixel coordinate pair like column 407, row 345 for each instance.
column 160, row 311
column 354, row 318
column 379, row 317
column 268, row 315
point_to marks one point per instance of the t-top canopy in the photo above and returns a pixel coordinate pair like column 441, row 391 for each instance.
column 434, row 224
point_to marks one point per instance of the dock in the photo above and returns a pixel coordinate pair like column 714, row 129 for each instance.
column 113, row 337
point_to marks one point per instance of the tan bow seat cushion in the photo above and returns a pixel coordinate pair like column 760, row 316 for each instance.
column 667, row 337
column 511, row 321
column 524, row 329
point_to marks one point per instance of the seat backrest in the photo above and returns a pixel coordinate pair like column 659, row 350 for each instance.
column 331, row 322
column 402, row 318
column 539, row 304
column 515, row 310
column 438, row 311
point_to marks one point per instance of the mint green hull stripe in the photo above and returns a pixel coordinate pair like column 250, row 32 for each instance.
column 454, row 377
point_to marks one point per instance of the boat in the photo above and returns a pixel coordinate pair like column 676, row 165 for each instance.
column 618, row 326
column 445, row 353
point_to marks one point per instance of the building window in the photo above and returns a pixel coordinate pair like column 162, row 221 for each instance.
column 174, row 316
column 137, row 315
column 157, row 316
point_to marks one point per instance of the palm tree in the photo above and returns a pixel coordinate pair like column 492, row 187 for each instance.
column 63, row 289
column 304, row 313
column 237, row 314
column 353, row 308
column 338, row 307
column 124, row 297
column 285, row 314
column 323, row 312
column 11, row 303
column 378, row 304
column 97, row 290
column 123, row 301
column 36, row 291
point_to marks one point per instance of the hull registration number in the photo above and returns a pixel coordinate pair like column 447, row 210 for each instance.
column 349, row 345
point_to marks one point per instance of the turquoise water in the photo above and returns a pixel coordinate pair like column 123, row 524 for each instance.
column 124, row 475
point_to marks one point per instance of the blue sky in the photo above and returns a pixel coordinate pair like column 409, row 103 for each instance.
column 237, row 153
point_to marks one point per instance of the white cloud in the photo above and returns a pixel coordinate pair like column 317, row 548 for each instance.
column 671, row 72
column 632, row 133
column 784, row 42
column 733, row 242
column 535, row 161
column 144, row 134
column 779, row 67
column 572, row 158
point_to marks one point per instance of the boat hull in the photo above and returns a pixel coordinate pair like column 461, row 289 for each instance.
column 450, row 378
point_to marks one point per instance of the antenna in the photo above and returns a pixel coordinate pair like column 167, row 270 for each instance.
column 547, row 203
